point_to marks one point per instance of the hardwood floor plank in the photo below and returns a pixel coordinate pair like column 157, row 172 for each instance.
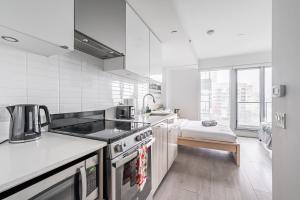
column 212, row 175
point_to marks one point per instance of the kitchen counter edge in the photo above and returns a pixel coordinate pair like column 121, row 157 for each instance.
column 42, row 157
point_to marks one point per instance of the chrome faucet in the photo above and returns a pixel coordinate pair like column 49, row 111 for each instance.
column 143, row 108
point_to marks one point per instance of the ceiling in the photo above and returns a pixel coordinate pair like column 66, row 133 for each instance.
column 241, row 27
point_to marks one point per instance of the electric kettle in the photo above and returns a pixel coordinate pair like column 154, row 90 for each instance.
column 25, row 122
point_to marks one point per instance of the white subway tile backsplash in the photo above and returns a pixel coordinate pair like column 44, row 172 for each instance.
column 43, row 81
column 70, row 107
column 68, row 83
column 12, row 69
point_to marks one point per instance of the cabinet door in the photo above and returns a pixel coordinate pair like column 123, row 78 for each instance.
column 137, row 44
column 159, row 154
column 48, row 20
column 155, row 58
column 155, row 157
column 173, row 131
column 164, row 160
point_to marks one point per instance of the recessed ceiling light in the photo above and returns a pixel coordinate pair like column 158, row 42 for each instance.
column 9, row 39
column 174, row 31
column 85, row 40
column 111, row 52
column 210, row 32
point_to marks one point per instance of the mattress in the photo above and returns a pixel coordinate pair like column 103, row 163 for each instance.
column 194, row 129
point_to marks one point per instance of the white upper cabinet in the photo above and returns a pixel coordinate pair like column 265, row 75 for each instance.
column 45, row 27
column 155, row 58
column 102, row 20
column 137, row 44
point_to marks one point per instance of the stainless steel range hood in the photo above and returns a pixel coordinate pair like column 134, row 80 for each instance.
column 100, row 27
column 92, row 47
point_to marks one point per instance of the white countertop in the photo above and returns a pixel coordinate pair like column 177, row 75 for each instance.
column 24, row 161
column 153, row 120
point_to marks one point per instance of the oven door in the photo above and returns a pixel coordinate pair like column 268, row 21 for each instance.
column 69, row 184
column 124, row 176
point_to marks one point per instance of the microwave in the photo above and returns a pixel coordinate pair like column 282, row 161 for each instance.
column 125, row 112
column 79, row 181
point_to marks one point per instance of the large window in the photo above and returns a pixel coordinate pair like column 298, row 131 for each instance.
column 248, row 97
column 268, row 95
column 254, row 97
column 215, row 96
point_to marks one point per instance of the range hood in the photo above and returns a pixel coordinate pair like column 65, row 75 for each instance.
column 92, row 47
column 100, row 27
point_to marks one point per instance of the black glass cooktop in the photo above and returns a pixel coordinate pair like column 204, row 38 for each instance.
column 105, row 130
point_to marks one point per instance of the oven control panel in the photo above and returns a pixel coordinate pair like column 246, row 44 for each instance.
column 119, row 147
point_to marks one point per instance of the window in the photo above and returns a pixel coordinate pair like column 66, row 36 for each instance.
column 254, row 97
column 215, row 96
column 268, row 95
column 248, row 97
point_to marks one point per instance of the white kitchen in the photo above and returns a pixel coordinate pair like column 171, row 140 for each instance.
column 149, row 99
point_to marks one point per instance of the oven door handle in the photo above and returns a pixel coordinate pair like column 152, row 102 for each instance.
column 125, row 160
column 83, row 183
column 131, row 156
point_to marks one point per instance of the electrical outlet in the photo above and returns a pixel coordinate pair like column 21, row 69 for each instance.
column 280, row 120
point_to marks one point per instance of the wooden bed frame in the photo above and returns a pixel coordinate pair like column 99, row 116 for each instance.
column 234, row 148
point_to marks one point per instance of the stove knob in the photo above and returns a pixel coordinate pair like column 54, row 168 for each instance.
column 118, row 148
column 149, row 133
column 138, row 138
column 143, row 135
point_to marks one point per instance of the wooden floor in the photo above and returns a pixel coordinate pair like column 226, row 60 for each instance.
column 200, row 174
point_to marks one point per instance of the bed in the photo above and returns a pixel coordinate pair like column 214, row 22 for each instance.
column 194, row 134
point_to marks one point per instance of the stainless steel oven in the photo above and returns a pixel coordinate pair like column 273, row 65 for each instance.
column 123, row 175
column 79, row 181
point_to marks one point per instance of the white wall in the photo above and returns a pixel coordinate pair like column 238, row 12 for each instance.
column 69, row 83
column 182, row 87
column 236, row 60
column 286, row 70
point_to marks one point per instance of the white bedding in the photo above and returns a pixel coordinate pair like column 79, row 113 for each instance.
column 194, row 129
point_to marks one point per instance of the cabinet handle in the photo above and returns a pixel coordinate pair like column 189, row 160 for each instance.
column 83, row 183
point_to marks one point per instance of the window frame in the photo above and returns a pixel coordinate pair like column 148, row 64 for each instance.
column 261, row 97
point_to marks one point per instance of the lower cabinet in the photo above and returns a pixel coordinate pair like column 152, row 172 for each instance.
column 164, row 149
column 173, row 131
column 159, row 153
